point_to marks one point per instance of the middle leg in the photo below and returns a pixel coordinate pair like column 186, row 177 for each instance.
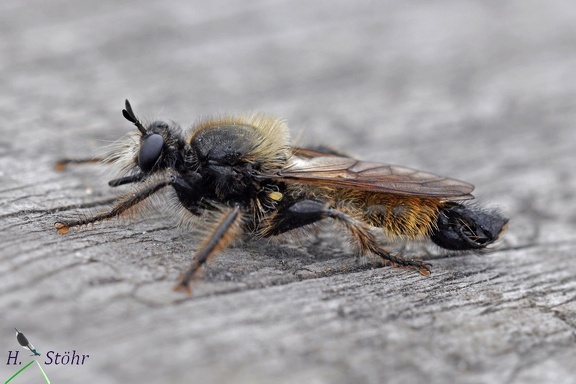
column 228, row 227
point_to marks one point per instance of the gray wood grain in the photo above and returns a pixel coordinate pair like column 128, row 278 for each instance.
column 482, row 92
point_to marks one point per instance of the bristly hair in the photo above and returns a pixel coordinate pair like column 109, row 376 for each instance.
column 272, row 140
column 121, row 155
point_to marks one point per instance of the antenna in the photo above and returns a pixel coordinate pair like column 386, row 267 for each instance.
column 129, row 115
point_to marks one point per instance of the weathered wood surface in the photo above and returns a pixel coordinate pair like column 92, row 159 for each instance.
column 480, row 92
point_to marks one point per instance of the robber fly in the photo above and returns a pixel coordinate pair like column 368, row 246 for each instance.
column 242, row 176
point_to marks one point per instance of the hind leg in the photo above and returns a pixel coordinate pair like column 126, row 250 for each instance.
column 306, row 212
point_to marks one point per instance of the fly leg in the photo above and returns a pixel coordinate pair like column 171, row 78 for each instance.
column 367, row 242
column 227, row 228
column 63, row 163
column 122, row 205
column 306, row 212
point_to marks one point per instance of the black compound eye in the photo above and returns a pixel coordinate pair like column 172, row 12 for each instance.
column 150, row 151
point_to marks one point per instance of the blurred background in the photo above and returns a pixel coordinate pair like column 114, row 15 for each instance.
column 479, row 91
column 375, row 72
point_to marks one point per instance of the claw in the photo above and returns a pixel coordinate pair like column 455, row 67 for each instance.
column 425, row 270
column 61, row 228
column 182, row 287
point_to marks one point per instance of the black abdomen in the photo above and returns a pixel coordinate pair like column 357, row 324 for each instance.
column 461, row 227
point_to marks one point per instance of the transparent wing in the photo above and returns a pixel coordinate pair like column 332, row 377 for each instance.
column 328, row 170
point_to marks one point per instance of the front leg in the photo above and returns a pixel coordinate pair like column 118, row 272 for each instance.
column 63, row 163
column 123, row 204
